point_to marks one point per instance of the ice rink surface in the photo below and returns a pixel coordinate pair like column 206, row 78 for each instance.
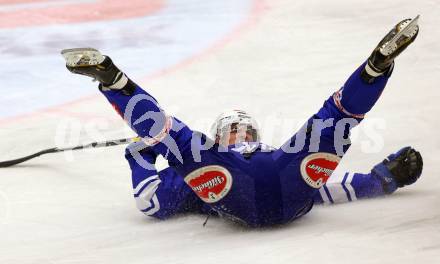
column 278, row 59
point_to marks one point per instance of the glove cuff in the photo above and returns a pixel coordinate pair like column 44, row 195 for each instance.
column 389, row 184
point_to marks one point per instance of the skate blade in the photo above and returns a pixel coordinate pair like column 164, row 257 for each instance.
column 80, row 57
column 407, row 30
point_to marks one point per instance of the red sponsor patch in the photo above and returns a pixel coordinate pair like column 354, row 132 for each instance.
column 317, row 168
column 210, row 183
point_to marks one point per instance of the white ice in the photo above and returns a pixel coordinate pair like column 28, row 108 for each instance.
column 280, row 63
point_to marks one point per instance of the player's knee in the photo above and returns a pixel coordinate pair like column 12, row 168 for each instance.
column 145, row 195
column 149, row 202
column 155, row 210
column 162, row 214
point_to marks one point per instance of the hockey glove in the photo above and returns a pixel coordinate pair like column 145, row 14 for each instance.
column 399, row 169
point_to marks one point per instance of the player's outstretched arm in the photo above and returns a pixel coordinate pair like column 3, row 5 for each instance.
column 398, row 170
column 167, row 135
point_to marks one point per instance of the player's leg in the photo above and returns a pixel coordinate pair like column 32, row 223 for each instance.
column 160, row 194
column 307, row 160
column 357, row 96
column 398, row 170
column 365, row 85
column 168, row 136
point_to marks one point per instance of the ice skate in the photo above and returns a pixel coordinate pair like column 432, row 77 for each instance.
column 382, row 58
column 90, row 62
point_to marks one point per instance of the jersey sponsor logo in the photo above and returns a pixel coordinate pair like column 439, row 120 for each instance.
column 317, row 168
column 210, row 183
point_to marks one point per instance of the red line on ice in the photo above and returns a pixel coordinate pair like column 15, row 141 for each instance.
column 67, row 13
column 258, row 9
column 12, row 2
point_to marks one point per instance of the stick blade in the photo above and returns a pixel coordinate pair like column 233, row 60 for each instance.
column 10, row 163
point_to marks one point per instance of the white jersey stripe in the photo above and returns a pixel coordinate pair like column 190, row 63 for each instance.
column 336, row 177
column 142, row 183
column 143, row 201
column 156, row 207
column 349, row 187
column 335, row 188
column 324, row 195
column 337, row 192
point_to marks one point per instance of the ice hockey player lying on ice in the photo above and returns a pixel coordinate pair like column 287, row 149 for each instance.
column 237, row 177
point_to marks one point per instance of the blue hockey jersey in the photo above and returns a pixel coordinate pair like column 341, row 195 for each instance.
column 165, row 193
column 248, row 182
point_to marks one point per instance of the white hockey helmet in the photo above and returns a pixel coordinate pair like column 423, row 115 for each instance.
column 233, row 121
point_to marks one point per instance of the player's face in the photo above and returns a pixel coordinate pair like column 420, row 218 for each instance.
column 235, row 135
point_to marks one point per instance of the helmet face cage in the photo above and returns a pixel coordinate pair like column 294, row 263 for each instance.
column 235, row 121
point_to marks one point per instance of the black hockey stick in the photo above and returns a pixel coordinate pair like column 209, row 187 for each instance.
column 108, row 143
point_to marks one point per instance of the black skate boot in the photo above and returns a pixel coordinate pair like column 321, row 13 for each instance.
column 381, row 61
column 90, row 62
